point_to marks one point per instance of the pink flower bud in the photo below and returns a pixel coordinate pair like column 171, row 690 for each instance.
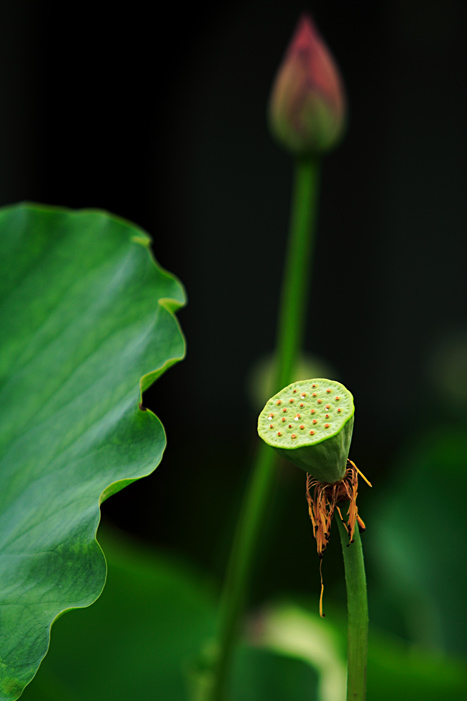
column 307, row 106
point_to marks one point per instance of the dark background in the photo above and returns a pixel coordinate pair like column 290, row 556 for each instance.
column 161, row 119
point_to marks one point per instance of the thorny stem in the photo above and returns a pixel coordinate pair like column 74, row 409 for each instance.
column 357, row 606
column 290, row 330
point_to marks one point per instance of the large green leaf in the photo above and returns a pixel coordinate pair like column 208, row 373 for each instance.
column 86, row 320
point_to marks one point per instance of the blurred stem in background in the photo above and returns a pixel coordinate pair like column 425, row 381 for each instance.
column 291, row 325
column 307, row 116
column 357, row 608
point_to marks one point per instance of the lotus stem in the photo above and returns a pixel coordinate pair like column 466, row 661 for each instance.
column 357, row 606
column 290, row 331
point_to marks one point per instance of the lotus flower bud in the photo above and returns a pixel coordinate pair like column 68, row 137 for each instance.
column 307, row 109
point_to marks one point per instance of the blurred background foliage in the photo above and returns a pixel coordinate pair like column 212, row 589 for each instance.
column 163, row 122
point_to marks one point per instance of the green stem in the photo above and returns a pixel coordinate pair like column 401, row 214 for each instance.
column 297, row 273
column 357, row 606
column 295, row 285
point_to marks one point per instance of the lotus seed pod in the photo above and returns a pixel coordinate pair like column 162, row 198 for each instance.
column 310, row 423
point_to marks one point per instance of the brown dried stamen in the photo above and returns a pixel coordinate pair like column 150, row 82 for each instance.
column 323, row 499
column 323, row 502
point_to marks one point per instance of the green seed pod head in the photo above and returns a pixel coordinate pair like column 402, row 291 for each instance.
column 310, row 423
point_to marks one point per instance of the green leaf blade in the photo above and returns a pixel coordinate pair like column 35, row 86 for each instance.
column 86, row 326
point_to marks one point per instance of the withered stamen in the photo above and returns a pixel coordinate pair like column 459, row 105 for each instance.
column 323, row 499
